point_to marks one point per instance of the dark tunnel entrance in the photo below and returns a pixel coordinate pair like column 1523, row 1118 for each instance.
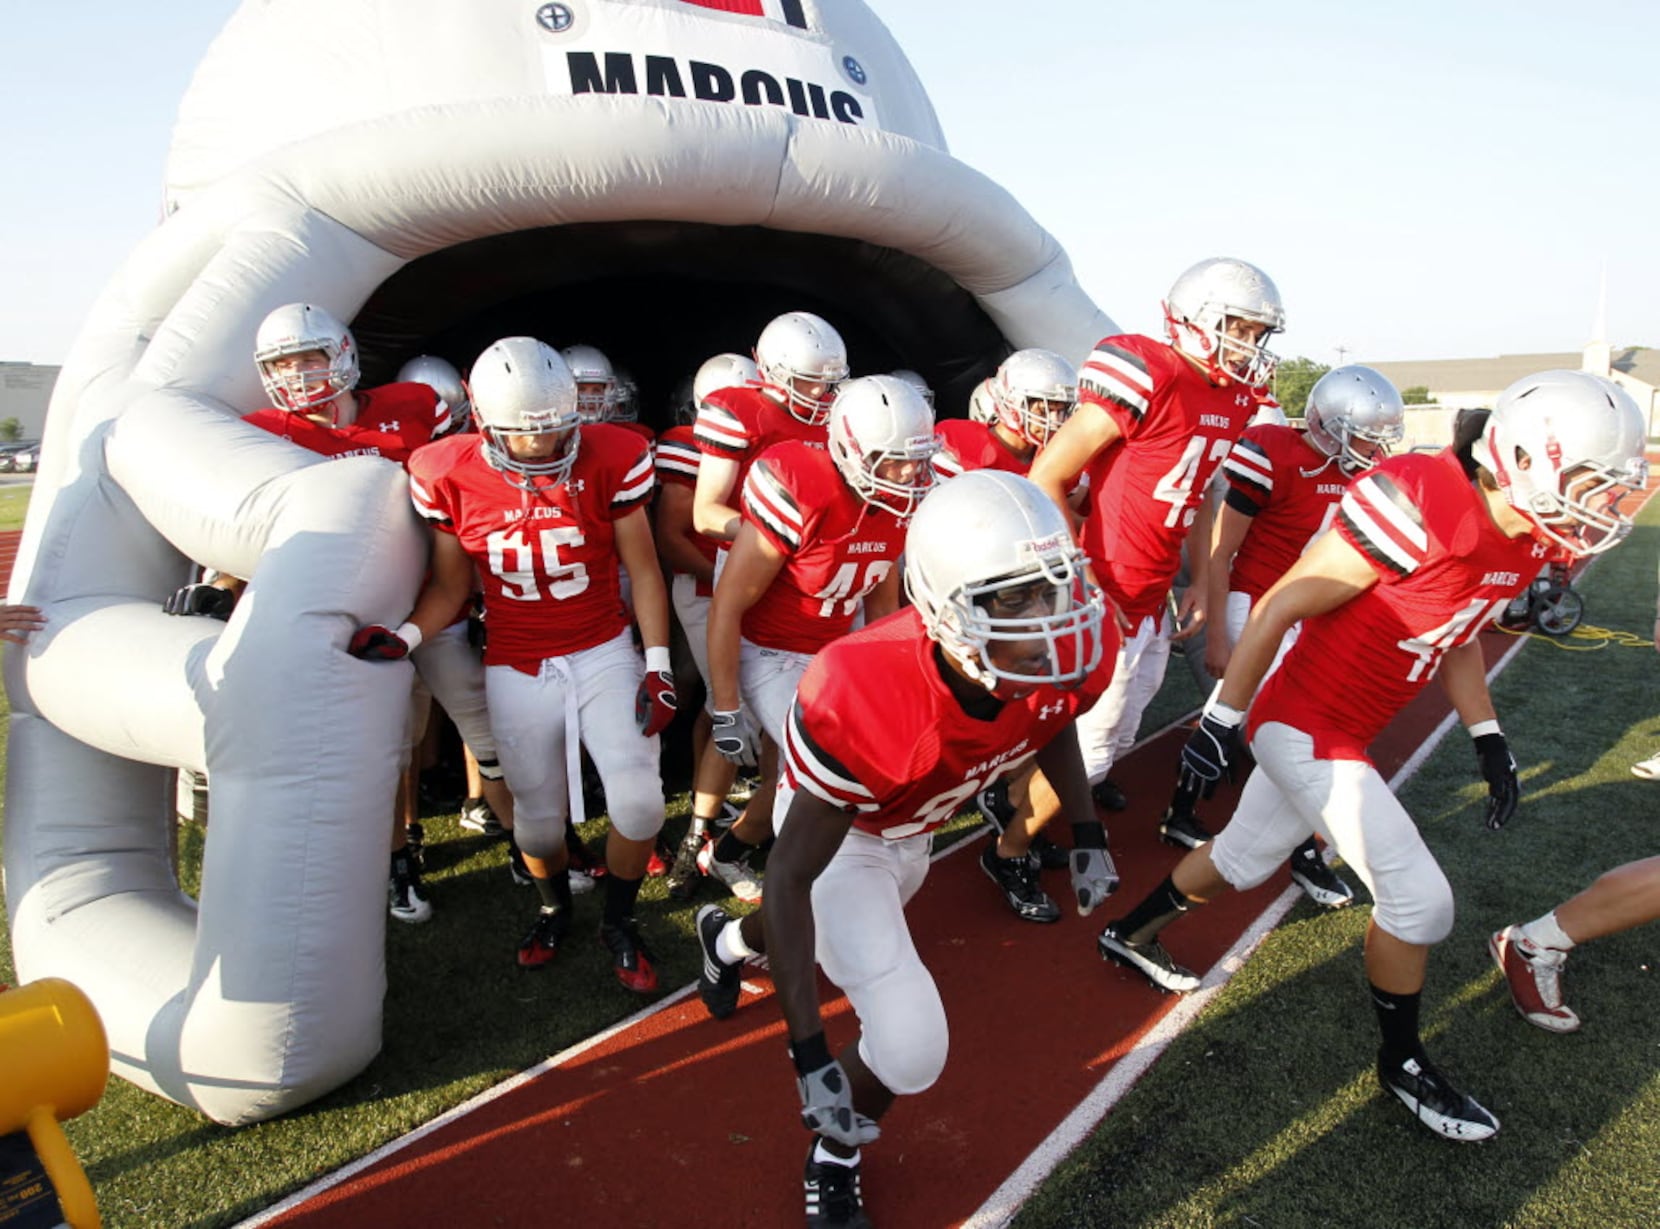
column 660, row 297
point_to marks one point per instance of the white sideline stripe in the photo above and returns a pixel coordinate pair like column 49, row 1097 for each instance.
column 466, row 1107
column 998, row 1210
column 1006, row 1200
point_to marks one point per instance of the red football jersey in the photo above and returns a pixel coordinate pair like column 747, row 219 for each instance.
column 875, row 730
column 741, row 423
column 966, row 445
column 677, row 459
column 836, row 548
column 392, row 422
column 1445, row 571
column 1145, row 490
column 547, row 559
column 1273, row 470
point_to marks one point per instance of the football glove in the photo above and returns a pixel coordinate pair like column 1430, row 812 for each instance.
column 377, row 643
column 1094, row 878
column 827, row 1107
column 201, row 599
column 655, row 703
column 1498, row 768
column 735, row 736
column 1211, row 750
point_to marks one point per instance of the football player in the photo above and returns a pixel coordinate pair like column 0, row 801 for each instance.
column 822, row 533
column 893, row 729
column 308, row 364
column 1283, row 489
column 1154, row 420
column 1033, row 392
column 689, row 557
column 1426, row 551
column 547, row 508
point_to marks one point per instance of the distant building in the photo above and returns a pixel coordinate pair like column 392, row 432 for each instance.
column 25, row 390
column 1459, row 383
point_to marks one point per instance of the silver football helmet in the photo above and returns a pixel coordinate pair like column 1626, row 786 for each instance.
column 596, row 381
column 915, row 380
column 522, row 390
column 989, row 561
column 722, row 371
column 982, row 406
column 803, row 358
column 442, row 378
column 298, row 328
column 1565, row 447
column 1203, row 301
column 1355, row 416
column 881, row 438
column 1035, row 391
column 627, row 408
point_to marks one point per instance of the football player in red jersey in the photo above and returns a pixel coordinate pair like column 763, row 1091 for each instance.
column 308, row 364
column 1154, row 420
column 690, row 557
column 800, row 360
column 1033, row 392
column 547, row 509
column 1426, row 551
column 1283, row 489
column 893, row 729
column 822, row 533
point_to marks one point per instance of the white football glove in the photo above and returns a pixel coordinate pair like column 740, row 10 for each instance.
column 735, row 736
column 827, row 1107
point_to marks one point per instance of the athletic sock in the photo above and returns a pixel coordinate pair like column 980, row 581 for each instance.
column 824, row 1156
column 730, row 945
column 619, row 898
column 555, row 890
column 1546, row 932
column 730, row 849
column 1398, row 1021
column 1163, row 905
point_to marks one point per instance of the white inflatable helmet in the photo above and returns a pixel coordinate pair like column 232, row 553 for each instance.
column 596, row 381
column 297, row 328
column 1205, row 298
column 803, row 358
column 880, row 423
column 522, row 387
column 988, row 533
column 442, row 378
column 1565, row 447
column 1035, row 391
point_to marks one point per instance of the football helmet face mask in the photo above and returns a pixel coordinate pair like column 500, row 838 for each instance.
column 296, row 329
column 524, row 401
column 1566, row 448
column 881, row 437
column 1035, row 391
column 596, row 382
column 803, row 359
column 915, row 380
column 1355, row 416
column 1221, row 313
column 442, row 378
column 993, row 571
column 627, row 408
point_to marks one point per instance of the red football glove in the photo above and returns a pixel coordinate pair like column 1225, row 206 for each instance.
column 655, row 703
column 377, row 643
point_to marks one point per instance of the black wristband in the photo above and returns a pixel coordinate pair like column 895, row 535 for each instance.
column 810, row 1053
column 1089, row 835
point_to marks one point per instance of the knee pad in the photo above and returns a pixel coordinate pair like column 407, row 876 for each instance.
column 1425, row 917
column 904, row 1038
column 635, row 804
column 539, row 838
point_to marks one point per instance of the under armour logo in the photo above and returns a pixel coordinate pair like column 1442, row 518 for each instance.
column 1241, row 399
column 1050, row 710
column 388, row 428
column 577, row 486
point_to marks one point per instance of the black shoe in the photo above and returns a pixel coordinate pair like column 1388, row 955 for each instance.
column 1050, row 856
column 1183, row 828
column 1149, row 959
column 415, row 841
column 1433, row 1100
column 1108, row 796
column 682, row 879
column 406, row 895
column 630, row 958
column 993, row 804
column 476, row 816
column 541, row 945
column 719, row 983
column 1019, row 880
column 832, row 1194
column 1310, row 873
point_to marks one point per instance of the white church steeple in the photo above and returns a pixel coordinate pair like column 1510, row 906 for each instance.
column 1599, row 353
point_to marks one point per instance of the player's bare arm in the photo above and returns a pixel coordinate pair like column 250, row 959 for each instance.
column 1089, row 431
column 808, row 839
column 1227, row 536
column 712, row 511
column 749, row 572
column 638, row 554
column 1195, row 607
column 1463, row 676
column 449, row 586
column 1330, row 573
column 672, row 531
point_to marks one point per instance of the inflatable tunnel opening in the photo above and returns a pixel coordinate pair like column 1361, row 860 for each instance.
column 660, row 297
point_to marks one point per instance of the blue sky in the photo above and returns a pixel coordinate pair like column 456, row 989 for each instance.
column 1422, row 179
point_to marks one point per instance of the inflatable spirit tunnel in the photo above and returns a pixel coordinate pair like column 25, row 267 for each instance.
column 656, row 177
